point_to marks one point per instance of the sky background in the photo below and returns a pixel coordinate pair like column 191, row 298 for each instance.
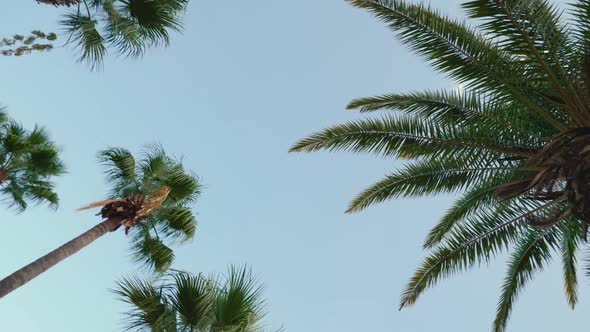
column 244, row 81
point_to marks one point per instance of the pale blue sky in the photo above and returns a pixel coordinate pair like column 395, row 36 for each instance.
column 245, row 81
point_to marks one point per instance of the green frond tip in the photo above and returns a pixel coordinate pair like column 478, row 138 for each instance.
column 532, row 252
column 571, row 237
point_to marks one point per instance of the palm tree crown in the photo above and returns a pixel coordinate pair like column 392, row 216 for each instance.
column 167, row 217
column 187, row 302
column 28, row 161
column 151, row 197
column 514, row 143
column 128, row 27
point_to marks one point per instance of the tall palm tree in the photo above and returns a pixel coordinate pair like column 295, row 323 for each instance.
column 150, row 197
column 188, row 302
column 28, row 161
column 514, row 143
column 128, row 27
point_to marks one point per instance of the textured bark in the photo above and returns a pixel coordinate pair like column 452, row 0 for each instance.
column 44, row 263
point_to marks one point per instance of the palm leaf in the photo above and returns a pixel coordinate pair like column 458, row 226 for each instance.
column 457, row 50
column 531, row 254
column 475, row 241
column 427, row 178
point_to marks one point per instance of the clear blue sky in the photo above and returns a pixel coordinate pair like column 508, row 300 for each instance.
column 245, row 81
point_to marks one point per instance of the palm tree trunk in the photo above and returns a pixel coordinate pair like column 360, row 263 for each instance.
column 44, row 263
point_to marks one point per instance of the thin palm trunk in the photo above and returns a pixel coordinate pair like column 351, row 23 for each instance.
column 44, row 263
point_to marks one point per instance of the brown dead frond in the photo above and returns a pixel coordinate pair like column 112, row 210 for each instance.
column 100, row 203
column 153, row 201
column 131, row 210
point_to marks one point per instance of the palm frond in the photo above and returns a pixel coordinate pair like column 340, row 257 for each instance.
column 150, row 308
column 457, row 50
column 532, row 29
column 177, row 223
column 238, row 304
column 182, row 301
column 480, row 196
column 119, row 163
column 475, row 241
column 569, row 243
column 531, row 254
column 434, row 105
column 127, row 27
column 428, row 178
column 193, row 300
column 83, row 32
column 152, row 252
column 405, row 136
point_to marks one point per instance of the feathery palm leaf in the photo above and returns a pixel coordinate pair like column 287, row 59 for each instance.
column 514, row 143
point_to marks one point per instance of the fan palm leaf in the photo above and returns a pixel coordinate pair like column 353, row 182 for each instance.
column 29, row 160
column 188, row 302
column 128, row 27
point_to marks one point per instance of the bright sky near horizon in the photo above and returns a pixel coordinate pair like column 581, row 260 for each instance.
column 243, row 82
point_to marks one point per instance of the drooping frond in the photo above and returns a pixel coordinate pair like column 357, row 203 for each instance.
column 532, row 252
column 151, row 251
column 480, row 196
column 473, row 242
column 570, row 241
column 177, row 223
column 127, row 27
column 84, row 34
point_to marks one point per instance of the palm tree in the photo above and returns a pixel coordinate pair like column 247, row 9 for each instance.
column 514, row 143
column 187, row 302
column 150, row 197
column 129, row 27
column 28, row 161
